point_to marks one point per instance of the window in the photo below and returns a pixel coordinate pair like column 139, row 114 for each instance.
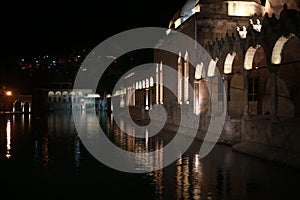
column 253, row 89
column 228, row 89
column 220, row 89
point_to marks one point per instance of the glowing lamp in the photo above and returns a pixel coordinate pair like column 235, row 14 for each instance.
column 8, row 93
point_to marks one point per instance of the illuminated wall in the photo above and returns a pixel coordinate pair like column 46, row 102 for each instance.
column 244, row 8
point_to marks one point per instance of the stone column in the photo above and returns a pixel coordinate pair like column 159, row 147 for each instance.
column 274, row 101
column 246, row 93
column 226, row 86
column 211, row 95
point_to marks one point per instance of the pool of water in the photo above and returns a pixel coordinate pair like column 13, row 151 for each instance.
column 42, row 157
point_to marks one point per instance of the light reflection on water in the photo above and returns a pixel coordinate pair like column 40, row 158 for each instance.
column 8, row 137
column 50, row 147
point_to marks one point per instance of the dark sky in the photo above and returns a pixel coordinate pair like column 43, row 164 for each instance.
column 59, row 26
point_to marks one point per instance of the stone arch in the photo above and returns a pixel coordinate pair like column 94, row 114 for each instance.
column 65, row 96
column 228, row 63
column 18, row 106
column 232, row 63
column 199, row 71
column 73, row 95
column 147, row 83
column 255, row 61
column 58, row 96
column 276, row 57
column 288, row 73
column 288, row 53
column 212, row 67
column 26, row 107
column 51, row 96
column 234, row 83
column 255, row 57
column 143, row 84
column 200, row 90
column 151, row 81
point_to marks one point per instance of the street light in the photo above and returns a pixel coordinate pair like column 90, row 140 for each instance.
column 8, row 93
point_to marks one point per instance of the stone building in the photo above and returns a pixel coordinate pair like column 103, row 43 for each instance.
column 253, row 48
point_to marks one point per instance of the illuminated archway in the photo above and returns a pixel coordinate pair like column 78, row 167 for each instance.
column 197, row 88
column 65, row 95
column 288, row 78
column 212, row 67
column 249, row 57
column 228, row 63
column 278, row 47
column 51, row 96
column 73, row 96
column 255, row 57
column 58, row 96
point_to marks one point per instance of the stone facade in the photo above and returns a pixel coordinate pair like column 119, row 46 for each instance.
column 256, row 54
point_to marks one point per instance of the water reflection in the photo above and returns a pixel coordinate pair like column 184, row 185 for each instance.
column 41, row 152
column 197, row 177
column 52, row 146
column 77, row 153
column 182, row 178
column 8, row 137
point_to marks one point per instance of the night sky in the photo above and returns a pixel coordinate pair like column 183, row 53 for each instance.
column 55, row 27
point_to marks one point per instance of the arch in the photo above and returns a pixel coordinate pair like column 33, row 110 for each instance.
column 73, row 96
column 72, row 93
column 147, row 83
column 58, row 96
column 26, row 107
column 18, row 106
column 229, row 62
column 151, row 82
column 80, row 94
column 199, row 71
column 250, row 57
column 65, row 95
column 51, row 96
column 212, row 67
column 197, row 88
column 278, row 47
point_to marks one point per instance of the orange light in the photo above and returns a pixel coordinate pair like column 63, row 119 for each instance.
column 8, row 93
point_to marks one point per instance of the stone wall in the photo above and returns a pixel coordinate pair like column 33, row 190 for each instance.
column 282, row 134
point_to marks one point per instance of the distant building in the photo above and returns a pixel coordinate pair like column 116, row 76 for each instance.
column 61, row 96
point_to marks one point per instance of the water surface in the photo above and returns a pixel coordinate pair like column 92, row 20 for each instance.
column 42, row 157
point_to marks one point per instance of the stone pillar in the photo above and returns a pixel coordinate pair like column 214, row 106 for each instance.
column 274, row 101
column 211, row 95
column 246, row 92
column 226, row 85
